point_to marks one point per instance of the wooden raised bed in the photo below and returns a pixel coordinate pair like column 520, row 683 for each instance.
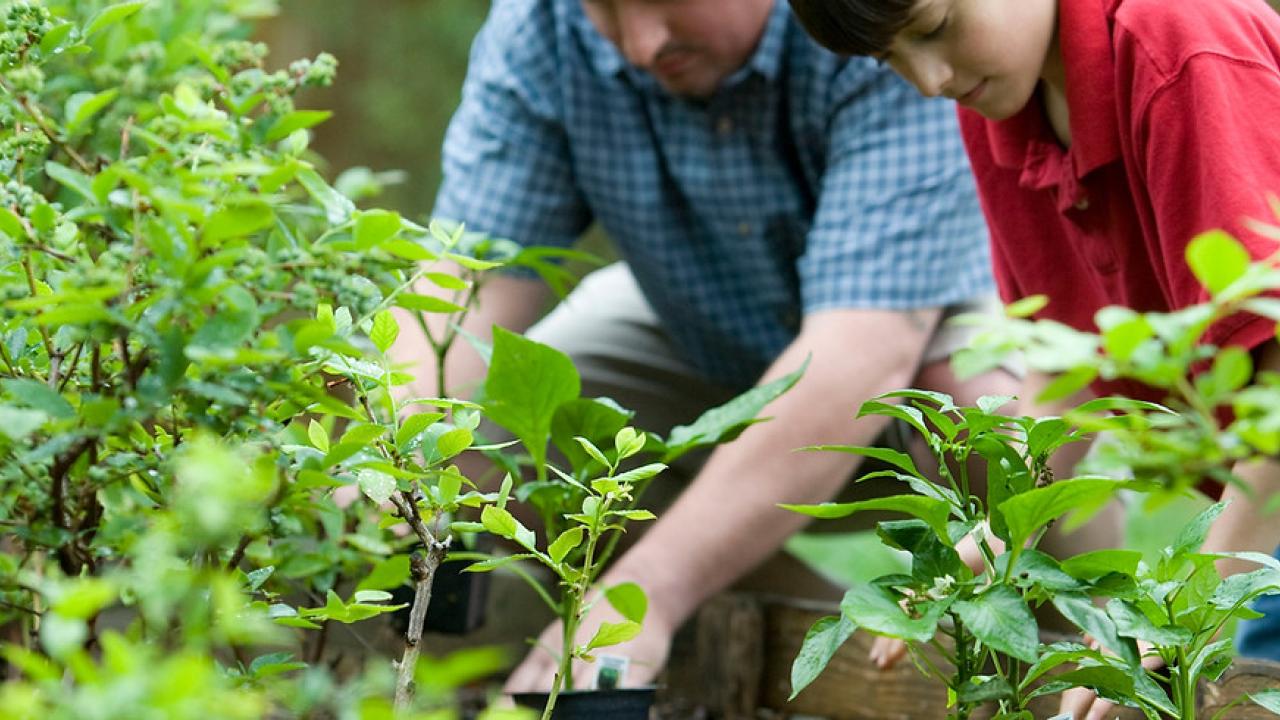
column 734, row 662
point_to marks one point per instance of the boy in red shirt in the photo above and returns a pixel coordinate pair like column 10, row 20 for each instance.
column 1104, row 136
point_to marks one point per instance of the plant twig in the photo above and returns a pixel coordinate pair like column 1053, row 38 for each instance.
column 424, row 566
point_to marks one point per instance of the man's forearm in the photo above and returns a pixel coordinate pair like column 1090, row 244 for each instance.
column 728, row 521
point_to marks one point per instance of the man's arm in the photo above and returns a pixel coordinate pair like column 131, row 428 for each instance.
column 727, row 521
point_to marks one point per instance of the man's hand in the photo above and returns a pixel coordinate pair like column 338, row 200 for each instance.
column 647, row 653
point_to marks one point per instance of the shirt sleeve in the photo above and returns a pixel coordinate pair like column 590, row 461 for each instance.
column 507, row 170
column 1208, row 146
column 897, row 223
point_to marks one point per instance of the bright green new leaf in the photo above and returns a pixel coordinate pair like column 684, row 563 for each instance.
column 238, row 220
column 385, row 330
column 1132, row 622
column 1217, row 259
column 389, row 573
column 453, row 442
column 337, row 207
column 1002, row 621
column 629, row 600
column 1027, row 306
column 82, row 106
column 819, row 646
column 503, row 524
column 592, row 451
column 286, row 125
column 11, row 226
column 85, row 598
column 414, row 425
column 640, row 474
column 449, row 486
column 69, row 178
column 375, row 227
column 1194, row 533
column 426, row 303
column 613, row 634
column 319, row 436
column 112, row 15
column 568, row 540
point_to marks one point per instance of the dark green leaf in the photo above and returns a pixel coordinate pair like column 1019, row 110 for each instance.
column 1003, row 622
column 726, row 422
column 819, row 646
column 934, row 512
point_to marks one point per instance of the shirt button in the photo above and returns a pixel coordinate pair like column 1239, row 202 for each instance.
column 1082, row 204
column 744, row 229
column 724, row 125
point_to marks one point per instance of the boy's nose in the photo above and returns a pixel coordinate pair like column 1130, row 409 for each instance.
column 933, row 76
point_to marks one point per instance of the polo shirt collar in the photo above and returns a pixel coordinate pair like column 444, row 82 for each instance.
column 1084, row 35
column 766, row 61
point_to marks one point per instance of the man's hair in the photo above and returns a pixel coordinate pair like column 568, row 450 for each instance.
column 854, row 27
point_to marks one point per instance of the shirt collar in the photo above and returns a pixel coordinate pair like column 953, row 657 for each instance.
column 765, row 61
column 1084, row 34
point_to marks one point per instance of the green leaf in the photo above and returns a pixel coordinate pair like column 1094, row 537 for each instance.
column 446, row 281
column 1095, row 564
column 72, row 179
column 1027, row 513
column 1132, row 622
column 82, row 106
column 724, row 423
column 1027, row 306
column 1193, row 535
column 932, row 511
column 1232, row 369
column 592, row 451
column 426, row 303
column 1267, row 699
column 387, row 574
column 639, row 474
column 892, row 457
column 876, row 609
column 819, row 646
column 568, row 540
column 413, row 426
column 1080, row 610
column 336, row 206
column 629, row 600
column 85, row 598
column 527, row 382
column 378, row 486
column 238, row 220
column 495, row 563
column 449, row 486
column 112, row 15
column 1217, row 259
column 1067, row 384
column 453, row 442
column 596, row 419
column 11, row 226
column 385, row 330
column 613, row 634
column 375, row 227
column 1003, row 622
column 635, row 515
column 319, row 436
column 17, row 423
column 1242, row 587
column 39, row 396
column 503, row 524
column 286, row 125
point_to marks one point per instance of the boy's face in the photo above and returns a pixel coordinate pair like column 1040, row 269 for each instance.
column 988, row 55
column 689, row 46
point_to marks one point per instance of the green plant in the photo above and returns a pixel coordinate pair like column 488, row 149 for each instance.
column 1175, row 607
column 193, row 327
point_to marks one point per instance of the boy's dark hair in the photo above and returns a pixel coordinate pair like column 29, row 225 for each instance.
column 854, row 27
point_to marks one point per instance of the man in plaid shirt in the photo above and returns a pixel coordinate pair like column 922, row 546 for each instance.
column 771, row 201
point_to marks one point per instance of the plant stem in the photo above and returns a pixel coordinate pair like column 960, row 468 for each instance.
column 424, row 567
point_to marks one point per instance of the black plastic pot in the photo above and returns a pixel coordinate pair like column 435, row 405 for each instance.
column 620, row 704
column 458, row 601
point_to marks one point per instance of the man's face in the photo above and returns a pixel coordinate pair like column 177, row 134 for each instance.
column 987, row 54
column 689, row 46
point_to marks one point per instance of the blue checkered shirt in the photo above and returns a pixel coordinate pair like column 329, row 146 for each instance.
column 808, row 182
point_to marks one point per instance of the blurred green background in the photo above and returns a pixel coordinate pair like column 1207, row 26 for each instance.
column 401, row 65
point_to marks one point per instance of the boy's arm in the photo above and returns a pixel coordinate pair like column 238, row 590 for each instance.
column 1245, row 525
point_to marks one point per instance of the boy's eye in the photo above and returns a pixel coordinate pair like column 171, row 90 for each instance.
column 938, row 30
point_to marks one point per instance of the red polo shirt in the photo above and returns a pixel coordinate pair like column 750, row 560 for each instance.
column 1175, row 127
